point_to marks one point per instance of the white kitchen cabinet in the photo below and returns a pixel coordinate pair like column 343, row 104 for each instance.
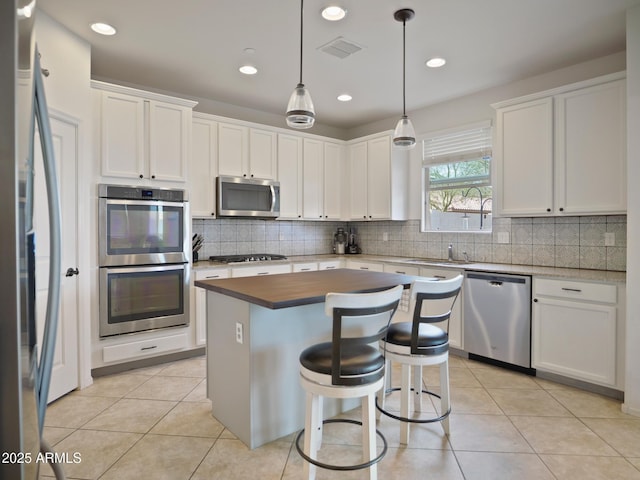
column 246, row 152
column 363, row 265
column 575, row 330
column 142, row 135
column 456, row 326
column 257, row 270
column 305, row 267
column 378, row 180
column 563, row 152
column 203, row 167
column 321, row 180
column 139, row 349
column 200, row 301
column 290, row 175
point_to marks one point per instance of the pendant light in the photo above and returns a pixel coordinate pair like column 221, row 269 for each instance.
column 300, row 113
column 404, row 136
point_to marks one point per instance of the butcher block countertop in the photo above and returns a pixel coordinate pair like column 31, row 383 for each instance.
column 303, row 288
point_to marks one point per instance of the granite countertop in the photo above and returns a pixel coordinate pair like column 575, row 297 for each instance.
column 303, row 288
column 566, row 273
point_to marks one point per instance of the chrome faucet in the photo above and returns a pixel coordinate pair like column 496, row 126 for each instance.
column 450, row 251
column 481, row 203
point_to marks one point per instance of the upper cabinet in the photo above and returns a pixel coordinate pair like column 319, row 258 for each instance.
column 321, row 180
column 203, row 167
column 290, row 175
column 142, row 135
column 378, row 178
column 246, row 152
column 563, row 152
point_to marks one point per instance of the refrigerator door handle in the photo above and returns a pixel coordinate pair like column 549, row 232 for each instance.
column 53, row 299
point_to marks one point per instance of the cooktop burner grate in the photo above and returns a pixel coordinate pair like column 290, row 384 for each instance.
column 253, row 257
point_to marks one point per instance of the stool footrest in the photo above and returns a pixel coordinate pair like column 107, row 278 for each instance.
column 412, row 420
column 342, row 467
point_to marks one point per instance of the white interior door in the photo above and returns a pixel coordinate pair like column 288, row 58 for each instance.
column 64, row 376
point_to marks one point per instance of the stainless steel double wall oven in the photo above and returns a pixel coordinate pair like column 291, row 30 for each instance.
column 144, row 249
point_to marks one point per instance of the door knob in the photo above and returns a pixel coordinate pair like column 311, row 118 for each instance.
column 71, row 272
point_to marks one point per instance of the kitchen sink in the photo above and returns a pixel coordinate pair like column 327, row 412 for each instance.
column 426, row 261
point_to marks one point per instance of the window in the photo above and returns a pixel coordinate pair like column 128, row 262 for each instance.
column 456, row 179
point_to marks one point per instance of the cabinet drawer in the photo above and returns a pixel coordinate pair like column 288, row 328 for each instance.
column 591, row 292
column 402, row 269
column 144, row 348
column 373, row 267
column 212, row 274
column 260, row 270
column 305, row 267
column 440, row 273
column 329, row 265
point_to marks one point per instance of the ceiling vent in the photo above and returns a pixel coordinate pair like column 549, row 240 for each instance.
column 340, row 47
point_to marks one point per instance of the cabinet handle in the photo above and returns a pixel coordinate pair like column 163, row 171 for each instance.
column 305, row 269
column 577, row 290
column 329, row 268
column 535, row 300
column 548, row 209
column 263, row 273
column 440, row 277
column 141, row 176
column 213, row 214
column 213, row 276
column 149, row 348
column 364, row 268
column 401, row 272
column 153, row 176
column 364, row 216
column 561, row 209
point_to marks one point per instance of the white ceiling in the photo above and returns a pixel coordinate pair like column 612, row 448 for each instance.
column 194, row 48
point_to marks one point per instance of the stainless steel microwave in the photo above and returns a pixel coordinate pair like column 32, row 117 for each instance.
column 247, row 197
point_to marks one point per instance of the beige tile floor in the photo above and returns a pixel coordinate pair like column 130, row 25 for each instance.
column 155, row 423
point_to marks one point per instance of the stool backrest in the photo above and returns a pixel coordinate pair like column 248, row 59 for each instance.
column 436, row 292
column 359, row 319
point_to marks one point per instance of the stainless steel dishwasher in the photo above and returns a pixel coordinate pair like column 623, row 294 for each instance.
column 497, row 318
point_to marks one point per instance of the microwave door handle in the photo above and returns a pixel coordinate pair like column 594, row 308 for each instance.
column 53, row 298
column 273, row 197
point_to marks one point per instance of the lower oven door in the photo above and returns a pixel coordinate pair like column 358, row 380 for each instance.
column 134, row 299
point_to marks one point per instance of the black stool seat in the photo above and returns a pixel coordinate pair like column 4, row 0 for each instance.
column 428, row 336
column 355, row 360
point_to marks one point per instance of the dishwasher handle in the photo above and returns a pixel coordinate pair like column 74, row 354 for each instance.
column 495, row 283
column 496, row 279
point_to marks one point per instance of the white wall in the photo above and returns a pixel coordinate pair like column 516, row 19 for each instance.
column 68, row 59
column 632, row 384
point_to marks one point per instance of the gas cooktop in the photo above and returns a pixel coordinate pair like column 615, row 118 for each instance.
column 252, row 257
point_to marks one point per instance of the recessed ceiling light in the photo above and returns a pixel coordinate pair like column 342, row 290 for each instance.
column 333, row 13
column 436, row 62
column 345, row 97
column 103, row 28
column 248, row 69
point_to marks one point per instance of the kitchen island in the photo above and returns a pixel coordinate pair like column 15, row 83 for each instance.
column 256, row 329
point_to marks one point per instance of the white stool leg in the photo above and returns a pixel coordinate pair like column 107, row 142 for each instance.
column 444, row 393
column 404, row 402
column 382, row 393
column 311, row 434
column 369, row 434
column 417, row 388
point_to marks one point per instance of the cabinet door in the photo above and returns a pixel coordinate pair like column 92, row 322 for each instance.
column 203, row 167
column 262, row 154
column 313, row 179
column 455, row 322
column 233, row 155
column 524, row 158
column 332, row 181
column 358, row 181
column 591, row 150
column 200, row 306
column 575, row 339
column 290, row 175
column 168, row 141
column 379, row 177
column 122, row 132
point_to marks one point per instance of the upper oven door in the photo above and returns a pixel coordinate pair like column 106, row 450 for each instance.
column 134, row 232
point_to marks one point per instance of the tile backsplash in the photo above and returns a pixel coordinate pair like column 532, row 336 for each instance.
column 574, row 242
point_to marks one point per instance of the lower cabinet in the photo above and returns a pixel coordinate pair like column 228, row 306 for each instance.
column 576, row 331
column 199, row 301
column 144, row 348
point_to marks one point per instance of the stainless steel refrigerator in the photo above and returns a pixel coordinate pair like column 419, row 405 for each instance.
column 25, row 366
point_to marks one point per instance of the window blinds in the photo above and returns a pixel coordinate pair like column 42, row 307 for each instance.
column 458, row 145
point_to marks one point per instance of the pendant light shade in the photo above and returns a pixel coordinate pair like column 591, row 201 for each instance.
column 300, row 112
column 404, row 136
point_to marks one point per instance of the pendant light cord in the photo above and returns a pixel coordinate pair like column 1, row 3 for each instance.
column 301, row 33
column 404, row 110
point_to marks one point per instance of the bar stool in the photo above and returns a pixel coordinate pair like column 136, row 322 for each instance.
column 419, row 343
column 349, row 366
